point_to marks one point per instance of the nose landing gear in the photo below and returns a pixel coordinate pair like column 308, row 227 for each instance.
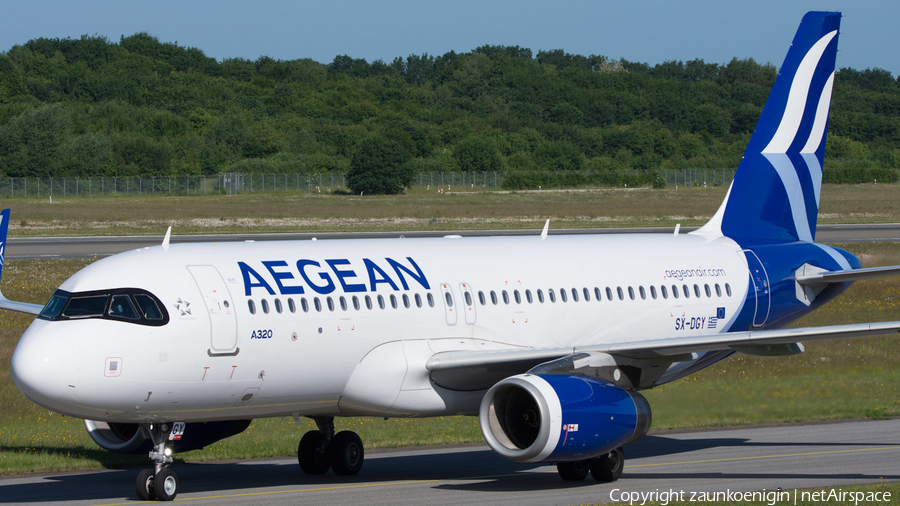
column 160, row 482
column 322, row 449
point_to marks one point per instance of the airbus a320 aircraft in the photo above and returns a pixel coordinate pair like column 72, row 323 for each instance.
column 547, row 339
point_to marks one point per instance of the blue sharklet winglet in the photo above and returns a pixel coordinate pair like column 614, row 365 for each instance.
column 22, row 307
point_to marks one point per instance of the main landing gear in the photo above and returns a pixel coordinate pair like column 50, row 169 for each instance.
column 160, row 482
column 322, row 449
column 605, row 468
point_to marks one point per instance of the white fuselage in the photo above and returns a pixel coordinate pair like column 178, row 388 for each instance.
column 217, row 360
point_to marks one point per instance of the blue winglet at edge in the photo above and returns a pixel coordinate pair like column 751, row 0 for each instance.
column 22, row 307
column 4, row 228
column 774, row 197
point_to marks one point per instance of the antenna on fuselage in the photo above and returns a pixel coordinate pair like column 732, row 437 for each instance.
column 165, row 243
column 546, row 228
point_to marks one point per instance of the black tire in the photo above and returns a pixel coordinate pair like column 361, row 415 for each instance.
column 144, row 485
column 311, row 453
column 166, row 485
column 573, row 471
column 345, row 453
column 608, row 468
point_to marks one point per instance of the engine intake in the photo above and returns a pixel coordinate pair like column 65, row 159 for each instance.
column 560, row 417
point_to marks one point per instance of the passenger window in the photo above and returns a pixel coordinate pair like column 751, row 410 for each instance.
column 728, row 289
column 481, row 298
column 381, row 302
column 418, row 300
column 494, row 297
column 393, row 301
column 587, row 295
column 317, row 303
column 292, row 306
column 718, row 290
column 85, row 306
column 528, row 296
column 653, row 291
column 449, row 299
column 540, row 294
column 708, row 291
column 278, row 306
column 552, row 295
column 675, row 291
column 265, row 306
column 642, row 292
column 686, row 291
column 665, row 293
column 574, row 295
column 343, row 302
column 330, row 302
column 406, row 301
column 620, row 293
column 468, row 298
column 430, row 300
column 609, row 295
column 597, row 294
column 148, row 307
column 562, row 295
column 505, row 297
column 517, row 296
column 304, row 305
column 356, row 302
column 368, row 302
column 631, row 292
column 251, row 306
column 697, row 291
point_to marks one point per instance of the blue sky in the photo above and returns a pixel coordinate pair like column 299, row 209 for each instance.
column 645, row 31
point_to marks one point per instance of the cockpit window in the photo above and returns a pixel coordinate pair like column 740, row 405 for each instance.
column 54, row 306
column 148, row 307
column 122, row 307
column 80, row 307
column 123, row 304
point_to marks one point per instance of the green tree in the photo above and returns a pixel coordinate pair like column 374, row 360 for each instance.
column 379, row 167
column 477, row 154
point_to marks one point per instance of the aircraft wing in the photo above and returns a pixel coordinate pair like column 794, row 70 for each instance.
column 22, row 307
column 470, row 370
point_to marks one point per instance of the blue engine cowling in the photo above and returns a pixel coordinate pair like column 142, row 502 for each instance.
column 127, row 438
column 560, row 417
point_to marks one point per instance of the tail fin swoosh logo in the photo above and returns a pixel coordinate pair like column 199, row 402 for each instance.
column 796, row 104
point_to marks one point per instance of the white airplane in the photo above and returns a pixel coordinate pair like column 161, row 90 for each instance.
column 547, row 339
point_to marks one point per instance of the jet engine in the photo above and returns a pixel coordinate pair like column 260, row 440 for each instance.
column 560, row 417
column 128, row 438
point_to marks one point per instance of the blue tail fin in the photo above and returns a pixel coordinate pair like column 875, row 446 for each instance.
column 774, row 197
column 4, row 228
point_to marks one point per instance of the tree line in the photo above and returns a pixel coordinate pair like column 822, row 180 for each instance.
column 93, row 107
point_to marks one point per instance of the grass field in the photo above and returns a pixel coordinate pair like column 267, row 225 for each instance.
column 832, row 380
column 418, row 209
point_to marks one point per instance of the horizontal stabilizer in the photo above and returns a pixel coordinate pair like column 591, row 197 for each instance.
column 847, row 275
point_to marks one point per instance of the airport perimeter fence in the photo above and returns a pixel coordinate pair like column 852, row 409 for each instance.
column 234, row 183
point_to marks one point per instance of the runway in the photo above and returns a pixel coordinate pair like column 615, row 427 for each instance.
column 828, row 455
column 21, row 248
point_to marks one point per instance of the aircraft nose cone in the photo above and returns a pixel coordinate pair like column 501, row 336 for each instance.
column 44, row 367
